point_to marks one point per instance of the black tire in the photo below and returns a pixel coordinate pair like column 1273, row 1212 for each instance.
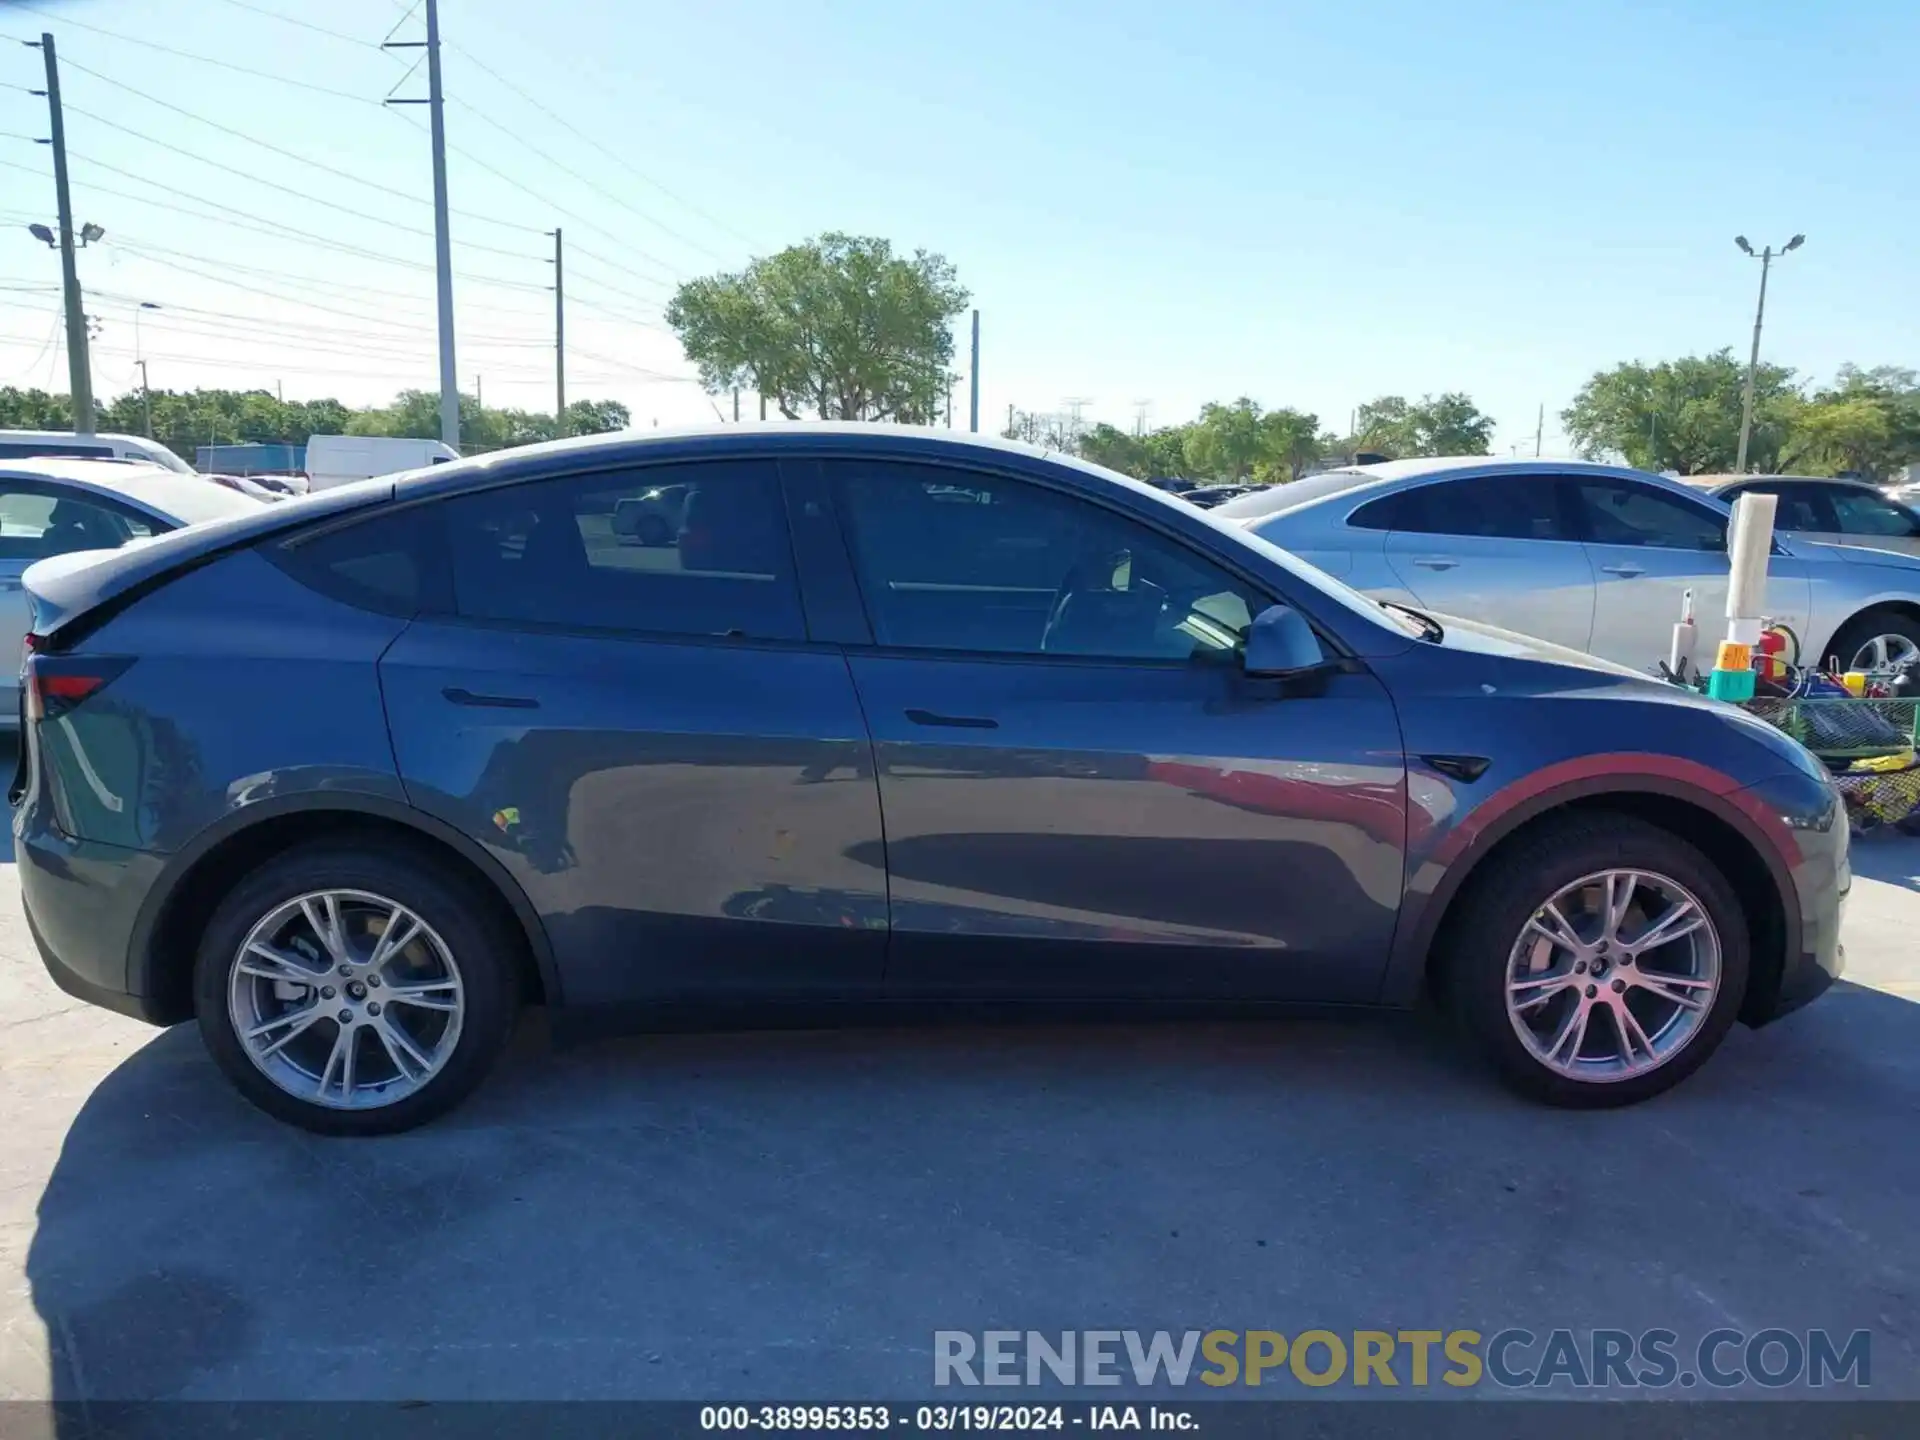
column 440, row 896
column 1521, row 877
column 1857, row 632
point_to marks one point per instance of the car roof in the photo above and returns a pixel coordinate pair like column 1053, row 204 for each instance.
column 1369, row 481
column 164, row 492
column 772, row 437
column 1723, row 482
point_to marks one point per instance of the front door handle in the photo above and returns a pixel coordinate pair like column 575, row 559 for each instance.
column 1625, row 572
column 1437, row 562
column 500, row 702
column 7, row 584
column 959, row 722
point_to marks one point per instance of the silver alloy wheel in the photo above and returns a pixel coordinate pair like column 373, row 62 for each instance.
column 1884, row 654
column 1636, row 949
column 346, row 999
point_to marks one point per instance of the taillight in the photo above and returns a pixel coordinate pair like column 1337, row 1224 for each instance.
column 52, row 686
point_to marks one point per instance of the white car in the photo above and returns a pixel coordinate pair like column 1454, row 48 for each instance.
column 52, row 506
column 1592, row 557
column 1825, row 509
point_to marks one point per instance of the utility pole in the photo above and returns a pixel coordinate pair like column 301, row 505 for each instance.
column 736, row 404
column 442, row 235
column 79, row 363
column 479, row 390
column 1539, row 429
column 1766, row 258
column 146, row 398
column 950, row 402
column 1009, row 418
column 559, row 339
column 763, row 407
column 973, row 379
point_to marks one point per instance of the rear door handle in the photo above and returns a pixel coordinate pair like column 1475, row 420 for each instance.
column 959, row 722
column 499, row 702
column 1436, row 562
column 1626, row 572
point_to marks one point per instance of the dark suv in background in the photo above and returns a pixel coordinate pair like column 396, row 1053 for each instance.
column 894, row 720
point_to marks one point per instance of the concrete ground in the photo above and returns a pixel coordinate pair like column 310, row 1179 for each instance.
column 794, row 1215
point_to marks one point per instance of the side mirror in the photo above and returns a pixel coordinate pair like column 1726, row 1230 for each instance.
column 1281, row 643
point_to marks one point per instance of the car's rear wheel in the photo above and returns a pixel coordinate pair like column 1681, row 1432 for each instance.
column 1598, row 963
column 1879, row 642
column 354, row 991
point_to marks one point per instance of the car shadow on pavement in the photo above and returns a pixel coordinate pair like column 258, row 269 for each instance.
column 795, row 1213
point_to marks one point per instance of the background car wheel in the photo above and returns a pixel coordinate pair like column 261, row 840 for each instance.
column 1598, row 962
column 354, row 991
column 1880, row 641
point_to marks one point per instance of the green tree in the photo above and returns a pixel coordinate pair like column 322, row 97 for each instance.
column 1290, row 441
column 1867, row 423
column 34, row 410
column 839, row 326
column 1226, row 442
column 1112, row 447
column 1449, row 424
column 1850, row 434
column 1167, row 451
column 1684, row 415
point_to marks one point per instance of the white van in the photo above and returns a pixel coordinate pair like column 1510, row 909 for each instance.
column 47, row 444
column 339, row 459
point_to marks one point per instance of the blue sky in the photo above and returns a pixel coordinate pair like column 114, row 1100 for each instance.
column 1311, row 205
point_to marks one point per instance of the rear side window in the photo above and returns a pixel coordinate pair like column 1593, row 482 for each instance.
column 697, row 549
column 393, row 563
column 36, row 524
column 1404, row 511
column 1507, row 507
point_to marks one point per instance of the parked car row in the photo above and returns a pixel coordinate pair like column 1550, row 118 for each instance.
column 900, row 720
column 1591, row 557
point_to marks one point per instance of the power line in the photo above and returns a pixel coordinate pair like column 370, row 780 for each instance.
column 565, row 169
column 559, row 209
column 204, row 60
column 347, row 175
column 580, row 134
column 242, row 220
column 303, row 24
column 151, row 253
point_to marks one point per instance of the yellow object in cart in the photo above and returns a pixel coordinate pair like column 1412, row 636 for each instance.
column 1734, row 656
column 1855, row 682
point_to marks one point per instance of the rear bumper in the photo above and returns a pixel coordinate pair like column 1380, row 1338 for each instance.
column 81, row 899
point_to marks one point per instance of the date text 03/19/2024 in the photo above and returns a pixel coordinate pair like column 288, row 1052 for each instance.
column 939, row 1419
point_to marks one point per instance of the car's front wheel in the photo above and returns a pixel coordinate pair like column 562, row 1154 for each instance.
column 1599, row 962
column 354, row 990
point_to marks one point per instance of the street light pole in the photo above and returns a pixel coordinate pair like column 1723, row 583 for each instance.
column 1766, row 259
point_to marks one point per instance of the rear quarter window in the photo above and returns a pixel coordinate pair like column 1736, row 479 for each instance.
column 393, row 563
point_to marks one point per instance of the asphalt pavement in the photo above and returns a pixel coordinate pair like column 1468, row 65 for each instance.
column 796, row 1214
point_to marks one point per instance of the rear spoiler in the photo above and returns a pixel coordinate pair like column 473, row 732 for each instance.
column 62, row 590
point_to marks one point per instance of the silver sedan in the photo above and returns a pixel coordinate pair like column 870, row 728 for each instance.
column 1592, row 557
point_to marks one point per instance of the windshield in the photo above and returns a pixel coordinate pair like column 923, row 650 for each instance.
column 188, row 499
column 1267, row 499
column 1343, row 595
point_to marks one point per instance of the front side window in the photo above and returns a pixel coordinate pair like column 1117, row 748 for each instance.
column 1861, row 513
column 952, row 560
column 1617, row 512
column 1799, row 507
column 698, row 549
column 35, row 525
